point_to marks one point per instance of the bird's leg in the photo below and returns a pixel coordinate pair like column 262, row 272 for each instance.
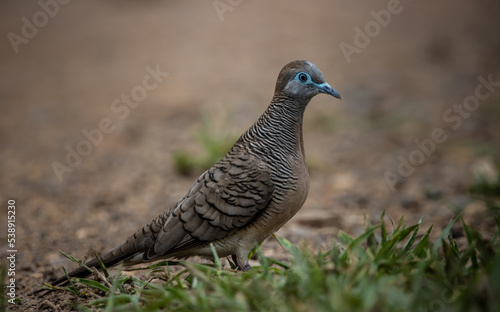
column 239, row 264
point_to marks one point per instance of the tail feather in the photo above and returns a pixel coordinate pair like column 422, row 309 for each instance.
column 134, row 245
column 80, row 272
column 130, row 252
column 109, row 258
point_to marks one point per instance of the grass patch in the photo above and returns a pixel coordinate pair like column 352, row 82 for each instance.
column 397, row 271
column 379, row 270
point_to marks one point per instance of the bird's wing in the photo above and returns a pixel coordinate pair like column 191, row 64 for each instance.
column 225, row 198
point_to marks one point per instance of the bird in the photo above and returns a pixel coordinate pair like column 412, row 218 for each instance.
column 258, row 186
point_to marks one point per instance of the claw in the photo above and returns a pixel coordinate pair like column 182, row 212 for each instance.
column 239, row 265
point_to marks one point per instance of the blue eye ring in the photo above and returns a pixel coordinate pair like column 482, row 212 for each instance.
column 303, row 77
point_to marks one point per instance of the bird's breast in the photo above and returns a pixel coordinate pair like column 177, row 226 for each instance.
column 285, row 205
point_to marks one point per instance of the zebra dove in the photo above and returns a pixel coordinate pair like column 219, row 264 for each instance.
column 248, row 195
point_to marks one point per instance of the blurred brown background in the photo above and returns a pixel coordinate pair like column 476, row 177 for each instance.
column 222, row 59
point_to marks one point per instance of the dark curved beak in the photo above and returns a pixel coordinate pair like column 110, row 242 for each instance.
column 325, row 88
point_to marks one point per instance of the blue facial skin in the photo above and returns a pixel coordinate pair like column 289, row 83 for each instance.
column 324, row 87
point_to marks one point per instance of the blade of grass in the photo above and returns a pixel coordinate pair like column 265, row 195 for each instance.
column 70, row 257
column 101, row 264
column 441, row 239
column 216, row 257
column 472, row 242
column 383, row 237
column 387, row 250
column 92, row 284
column 407, row 247
column 420, row 248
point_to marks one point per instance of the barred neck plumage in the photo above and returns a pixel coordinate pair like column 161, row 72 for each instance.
column 277, row 134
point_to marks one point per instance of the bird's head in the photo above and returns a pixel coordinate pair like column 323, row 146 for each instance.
column 302, row 80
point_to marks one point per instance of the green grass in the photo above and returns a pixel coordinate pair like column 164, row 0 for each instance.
column 379, row 270
column 376, row 271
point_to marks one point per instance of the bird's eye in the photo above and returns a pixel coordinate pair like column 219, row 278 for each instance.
column 302, row 77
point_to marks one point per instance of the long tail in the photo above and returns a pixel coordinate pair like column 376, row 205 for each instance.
column 133, row 246
column 109, row 259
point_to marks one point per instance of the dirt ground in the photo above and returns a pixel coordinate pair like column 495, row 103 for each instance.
column 71, row 71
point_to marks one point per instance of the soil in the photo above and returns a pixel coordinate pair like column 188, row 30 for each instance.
column 395, row 141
